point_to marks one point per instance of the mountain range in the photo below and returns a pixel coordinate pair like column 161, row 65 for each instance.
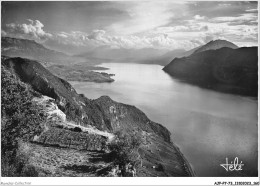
column 65, row 66
column 198, row 65
column 15, row 47
column 224, row 69
column 122, row 55
column 30, row 49
column 169, row 56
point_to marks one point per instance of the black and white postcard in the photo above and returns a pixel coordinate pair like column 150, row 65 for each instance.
column 151, row 92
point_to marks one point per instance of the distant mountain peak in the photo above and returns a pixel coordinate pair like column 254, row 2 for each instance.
column 220, row 41
column 216, row 44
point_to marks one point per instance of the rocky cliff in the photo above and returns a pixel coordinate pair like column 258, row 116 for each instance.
column 68, row 134
column 226, row 70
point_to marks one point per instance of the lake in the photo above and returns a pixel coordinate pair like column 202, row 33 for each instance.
column 208, row 126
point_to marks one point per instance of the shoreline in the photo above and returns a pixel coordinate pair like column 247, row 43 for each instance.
column 186, row 163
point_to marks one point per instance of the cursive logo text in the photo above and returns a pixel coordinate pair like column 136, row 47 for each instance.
column 233, row 166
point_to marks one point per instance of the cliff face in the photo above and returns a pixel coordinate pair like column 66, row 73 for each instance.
column 70, row 123
column 227, row 70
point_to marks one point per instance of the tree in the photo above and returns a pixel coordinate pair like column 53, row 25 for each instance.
column 124, row 153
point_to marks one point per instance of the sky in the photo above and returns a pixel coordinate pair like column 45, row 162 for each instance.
column 74, row 27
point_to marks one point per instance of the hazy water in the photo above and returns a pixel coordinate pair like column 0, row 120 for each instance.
column 208, row 126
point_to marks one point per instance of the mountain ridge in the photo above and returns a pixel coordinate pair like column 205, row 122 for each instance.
column 65, row 66
column 16, row 47
column 225, row 69
column 166, row 58
column 215, row 44
column 120, row 54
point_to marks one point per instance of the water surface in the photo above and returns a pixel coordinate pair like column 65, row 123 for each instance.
column 208, row 126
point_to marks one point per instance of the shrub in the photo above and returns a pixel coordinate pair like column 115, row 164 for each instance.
column 29, row 171
column 21, row 118
column 159, row 167
column 124, row 152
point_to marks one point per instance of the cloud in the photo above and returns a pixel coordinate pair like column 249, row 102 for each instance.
column 96, row 34
column 62, row 35
column 224, row 4
column 171, row 29
column 33, row 30
column 74, row 38
column 246, row 43
column 192, row 27
column 198, row 17
column 147, row 15
column 239, row 19
column 100, row 37
column 205, row 30
column 191, row 33
column 132, row 24
column 252, row 10
column 3, row 33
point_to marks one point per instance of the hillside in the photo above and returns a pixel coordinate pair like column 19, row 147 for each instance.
column 50, row 130
column 25, row 48
column 214, row 45
column 226, row 70
column 65, row 66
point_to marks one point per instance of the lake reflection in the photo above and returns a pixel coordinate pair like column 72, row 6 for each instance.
column 208, row 126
